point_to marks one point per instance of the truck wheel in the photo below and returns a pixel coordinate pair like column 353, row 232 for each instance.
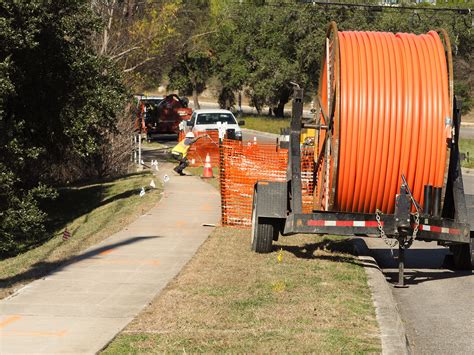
column 462, row 256
column 264, row 231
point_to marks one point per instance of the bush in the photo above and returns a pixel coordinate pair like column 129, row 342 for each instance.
column 59, row 104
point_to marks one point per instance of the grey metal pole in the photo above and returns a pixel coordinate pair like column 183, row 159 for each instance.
column 140, row 150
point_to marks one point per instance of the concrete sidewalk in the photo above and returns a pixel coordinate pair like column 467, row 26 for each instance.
column 80, row 307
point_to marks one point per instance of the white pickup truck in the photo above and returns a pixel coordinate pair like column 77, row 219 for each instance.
column 210, row 119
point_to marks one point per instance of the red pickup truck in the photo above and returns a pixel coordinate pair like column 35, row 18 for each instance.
column 158, row 115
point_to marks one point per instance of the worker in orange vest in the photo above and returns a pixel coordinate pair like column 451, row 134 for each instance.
column 180, row 151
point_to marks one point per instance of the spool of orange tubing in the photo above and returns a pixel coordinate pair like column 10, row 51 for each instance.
column 390, row 96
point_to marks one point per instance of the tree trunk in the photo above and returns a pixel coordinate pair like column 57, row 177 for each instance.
column 279, row 111
column 105, row 36
column 195, row 98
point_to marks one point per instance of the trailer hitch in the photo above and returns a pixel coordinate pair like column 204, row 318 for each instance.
column 404, row 200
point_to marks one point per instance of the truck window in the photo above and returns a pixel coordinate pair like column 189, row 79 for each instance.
column 213, row 118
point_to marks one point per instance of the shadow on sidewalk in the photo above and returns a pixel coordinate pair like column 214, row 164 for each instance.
column 44, row 268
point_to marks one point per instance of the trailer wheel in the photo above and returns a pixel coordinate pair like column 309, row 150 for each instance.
column 462, row 256
column 263, row 234
column 264, row 230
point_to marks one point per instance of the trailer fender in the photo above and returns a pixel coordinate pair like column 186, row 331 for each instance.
column 271, row 199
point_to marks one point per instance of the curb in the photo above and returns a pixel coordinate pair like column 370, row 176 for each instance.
column 392, row 329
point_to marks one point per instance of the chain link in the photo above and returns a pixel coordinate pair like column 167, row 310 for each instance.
column 410, row 241
column 392, row 243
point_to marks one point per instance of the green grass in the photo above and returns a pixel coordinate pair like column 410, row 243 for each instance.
column 153, row 145
column 266, row 124
column 229, row 299
column 91, row 212
column 467, row 145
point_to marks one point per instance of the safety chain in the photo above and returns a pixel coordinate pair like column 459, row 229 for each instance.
column 392, row 243
column 410, row 241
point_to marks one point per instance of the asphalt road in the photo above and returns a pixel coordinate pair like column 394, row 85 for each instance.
column 438, row 306
column 467, row 131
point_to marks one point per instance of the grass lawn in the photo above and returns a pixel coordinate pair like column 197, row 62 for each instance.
column 266, row 124
column 467, row 145
column 91, row 212
column 153, row 145
column 307, row 296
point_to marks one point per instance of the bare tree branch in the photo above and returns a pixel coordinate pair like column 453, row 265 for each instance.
column 128, row 70
column 117, row 56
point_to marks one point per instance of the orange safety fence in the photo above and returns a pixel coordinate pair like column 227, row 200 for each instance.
column 242, row 165
column 207, row 145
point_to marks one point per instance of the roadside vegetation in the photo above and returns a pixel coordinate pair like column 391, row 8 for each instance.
column 310, row 296
column 91, row 212
column 466, row 146
column 266, row 124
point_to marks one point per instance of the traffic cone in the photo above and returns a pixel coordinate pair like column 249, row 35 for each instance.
column 207, row 172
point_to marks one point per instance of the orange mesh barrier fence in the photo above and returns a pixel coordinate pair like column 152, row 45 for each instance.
column 206, row 145
column 242, row 165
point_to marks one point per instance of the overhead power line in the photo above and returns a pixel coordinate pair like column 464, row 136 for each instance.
column 461, row 11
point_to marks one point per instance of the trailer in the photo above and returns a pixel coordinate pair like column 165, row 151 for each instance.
column 445, row 216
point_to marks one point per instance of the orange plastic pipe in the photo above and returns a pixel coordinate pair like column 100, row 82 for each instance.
column 394, row 103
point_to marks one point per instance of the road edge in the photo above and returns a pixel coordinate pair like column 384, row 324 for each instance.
column 392, row 329
column 267, row 134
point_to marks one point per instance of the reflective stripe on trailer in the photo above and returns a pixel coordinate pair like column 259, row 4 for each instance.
column 436, row 229
column 362, row 224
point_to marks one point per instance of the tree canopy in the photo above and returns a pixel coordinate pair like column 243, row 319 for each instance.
column 58, row 100
column 262, row 46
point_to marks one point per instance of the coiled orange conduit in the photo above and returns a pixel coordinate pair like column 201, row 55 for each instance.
column 394, row 107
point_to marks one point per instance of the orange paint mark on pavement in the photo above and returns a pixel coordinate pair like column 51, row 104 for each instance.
column 180, row 223
column 107, row 252
column 206, row 207
column 116, row 261
column 8, row 321
column 34, row 334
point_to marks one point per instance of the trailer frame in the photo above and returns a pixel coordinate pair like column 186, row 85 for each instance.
column 277, row 207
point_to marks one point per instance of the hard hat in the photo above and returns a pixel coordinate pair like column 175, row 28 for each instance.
column 190, row 135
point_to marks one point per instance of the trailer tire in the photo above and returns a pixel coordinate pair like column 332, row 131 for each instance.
column 264, row 230
column 264, row 234
column 461, row 256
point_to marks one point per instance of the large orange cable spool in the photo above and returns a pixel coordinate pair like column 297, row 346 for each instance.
column 388, row 101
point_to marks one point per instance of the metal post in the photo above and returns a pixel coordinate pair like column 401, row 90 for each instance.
column 428, row 193
column 135, row 148
column 140, row 150
column 294, row 158
column 401, row 266
column 436, row 210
